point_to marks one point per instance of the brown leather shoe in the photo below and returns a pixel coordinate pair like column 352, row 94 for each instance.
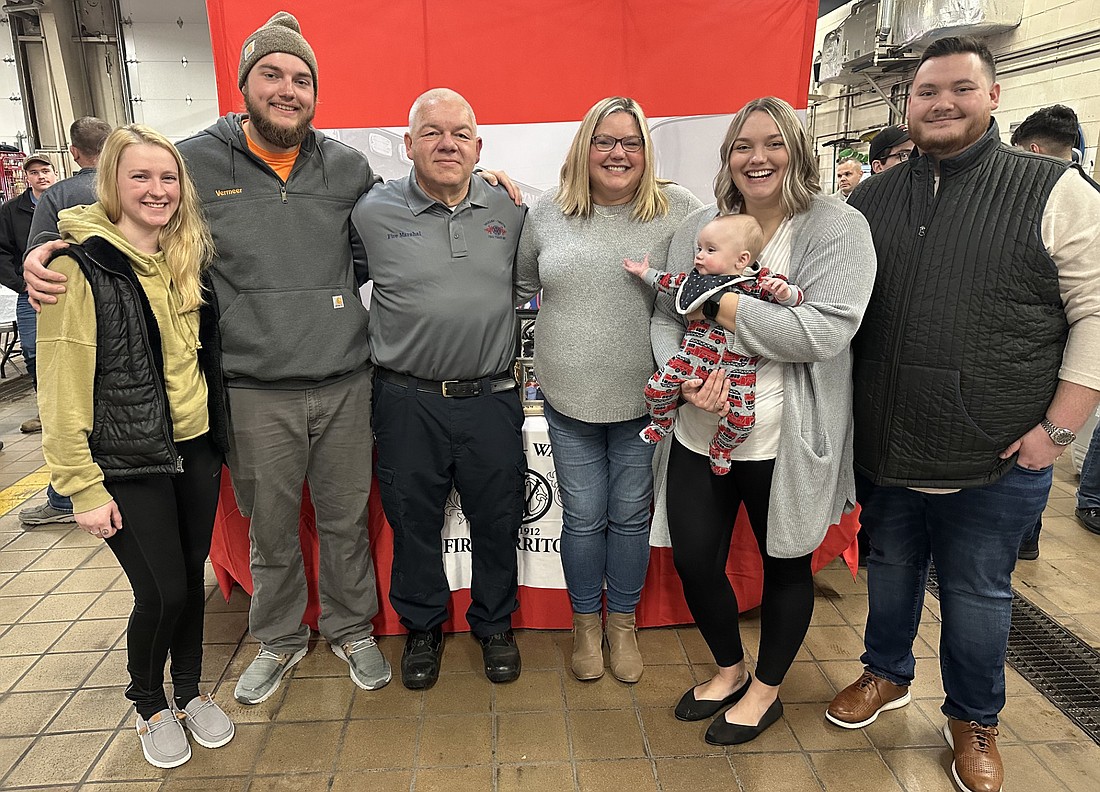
column 860, row 703
column 977, row 765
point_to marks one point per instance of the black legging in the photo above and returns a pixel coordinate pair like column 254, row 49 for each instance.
column 702, row 509
column 167, row 523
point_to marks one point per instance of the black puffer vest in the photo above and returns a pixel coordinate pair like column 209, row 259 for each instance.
column 132, row 425
column 959, row 351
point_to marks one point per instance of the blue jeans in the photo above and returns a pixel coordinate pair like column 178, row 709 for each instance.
column 973, row 537
column 1088, row 491
column 605, row 479
column 26, row 320
column 59, row 502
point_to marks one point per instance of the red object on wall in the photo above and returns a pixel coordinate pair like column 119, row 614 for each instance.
column 533, row 62
column 543, row 609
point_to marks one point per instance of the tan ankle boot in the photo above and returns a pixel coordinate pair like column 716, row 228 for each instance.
column 587, row 661
column 626, row 660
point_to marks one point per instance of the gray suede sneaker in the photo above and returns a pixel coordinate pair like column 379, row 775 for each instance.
column 206, row 721
column 369, row 669
column 45, row 514
column 163, row 740
column 264, row 675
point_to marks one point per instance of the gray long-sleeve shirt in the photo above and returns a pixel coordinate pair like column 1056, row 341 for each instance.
column 592, row 352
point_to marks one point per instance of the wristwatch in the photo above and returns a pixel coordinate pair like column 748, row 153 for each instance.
column 710, row 307
column 1058, row 434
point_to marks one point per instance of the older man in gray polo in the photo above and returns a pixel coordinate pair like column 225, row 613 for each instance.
column 440, row 250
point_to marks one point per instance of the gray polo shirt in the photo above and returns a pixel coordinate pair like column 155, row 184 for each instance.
column 442, row 306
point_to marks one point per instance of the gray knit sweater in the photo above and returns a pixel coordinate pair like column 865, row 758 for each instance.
column 592, row 353
column 833, row 260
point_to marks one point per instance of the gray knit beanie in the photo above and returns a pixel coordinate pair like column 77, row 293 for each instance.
column 281, row 33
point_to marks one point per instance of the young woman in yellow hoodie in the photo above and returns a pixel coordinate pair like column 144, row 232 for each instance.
column 126, row 423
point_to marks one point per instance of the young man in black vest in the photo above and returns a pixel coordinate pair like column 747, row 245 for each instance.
column 977, row 360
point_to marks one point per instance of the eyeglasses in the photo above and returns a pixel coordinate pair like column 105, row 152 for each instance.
column 630, row 144
column 903, row 155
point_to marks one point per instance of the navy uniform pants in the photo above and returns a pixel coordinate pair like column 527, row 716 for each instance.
column 428, row 443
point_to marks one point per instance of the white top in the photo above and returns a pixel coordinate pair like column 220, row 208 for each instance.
column 695, row 428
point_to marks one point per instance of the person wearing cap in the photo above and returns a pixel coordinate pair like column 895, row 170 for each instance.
column 15, row 229
column 890, row 147
column 283, row 295
column 86, row 138
column 441, row 247
column 278, row 195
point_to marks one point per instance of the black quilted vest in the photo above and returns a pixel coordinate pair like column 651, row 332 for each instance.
column 959, row 351
column 132, row 425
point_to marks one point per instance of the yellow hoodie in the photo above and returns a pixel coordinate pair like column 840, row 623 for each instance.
column 67, row 358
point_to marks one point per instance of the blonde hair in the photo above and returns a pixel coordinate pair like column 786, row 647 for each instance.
column 574, row 194
column 743, row 228
column 185, row 239
column 801, row 181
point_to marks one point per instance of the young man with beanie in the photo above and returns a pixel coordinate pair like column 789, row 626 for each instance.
column 278, row 196
column 86, row 138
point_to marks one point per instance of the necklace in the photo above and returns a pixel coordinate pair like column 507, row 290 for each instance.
column 609, row 211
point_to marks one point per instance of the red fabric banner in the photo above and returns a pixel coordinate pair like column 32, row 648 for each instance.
column 542, row 609
column 529, row 62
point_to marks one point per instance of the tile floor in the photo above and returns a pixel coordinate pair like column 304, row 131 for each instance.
column 64, row 723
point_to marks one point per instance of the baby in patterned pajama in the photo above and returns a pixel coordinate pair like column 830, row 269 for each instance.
column 725, row 261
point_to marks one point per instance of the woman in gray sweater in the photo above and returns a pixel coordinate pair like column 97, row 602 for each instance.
column 794, row 472
column 593, row 360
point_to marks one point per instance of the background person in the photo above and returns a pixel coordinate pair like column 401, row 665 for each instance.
column 126, row 417
column 794, row 472
column 890, row 147
column 848, row 173
column 87, row 136
column 1052, row 131
column 609, row 206
column 15, row 229
column 1049, row 130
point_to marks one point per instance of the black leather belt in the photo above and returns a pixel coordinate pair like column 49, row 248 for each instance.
column 455, row 389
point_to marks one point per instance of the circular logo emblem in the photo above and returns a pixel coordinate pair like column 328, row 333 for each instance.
column 537, row 497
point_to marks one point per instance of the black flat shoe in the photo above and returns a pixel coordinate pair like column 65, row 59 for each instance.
column 501, row 656
column 722, row 732
column 692, row 709
column 421, row 657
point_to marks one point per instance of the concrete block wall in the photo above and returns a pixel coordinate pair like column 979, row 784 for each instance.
column 1066, row 75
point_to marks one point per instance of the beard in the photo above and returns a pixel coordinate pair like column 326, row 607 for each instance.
column 941, row 143
column 281, row 136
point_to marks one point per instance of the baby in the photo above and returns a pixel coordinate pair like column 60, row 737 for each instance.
column 725, row 261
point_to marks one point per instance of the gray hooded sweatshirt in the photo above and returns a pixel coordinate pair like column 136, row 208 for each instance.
column 288, row 261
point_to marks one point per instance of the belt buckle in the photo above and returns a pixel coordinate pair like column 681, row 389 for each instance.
column 461, row 389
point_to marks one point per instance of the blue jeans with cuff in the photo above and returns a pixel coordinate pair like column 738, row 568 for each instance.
column 972, row 536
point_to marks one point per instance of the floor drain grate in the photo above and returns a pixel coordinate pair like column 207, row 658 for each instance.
column 1060, row 665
